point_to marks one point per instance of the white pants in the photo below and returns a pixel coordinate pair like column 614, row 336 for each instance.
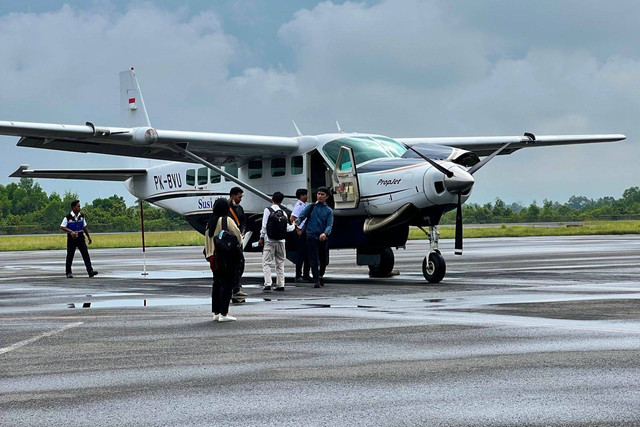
column 273, row 253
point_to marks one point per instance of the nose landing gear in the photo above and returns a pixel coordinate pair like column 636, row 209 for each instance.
column 433, row 265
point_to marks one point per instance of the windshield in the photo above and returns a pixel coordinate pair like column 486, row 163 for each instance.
column 365, row 148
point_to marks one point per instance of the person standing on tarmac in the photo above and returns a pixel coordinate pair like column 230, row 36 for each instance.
column 302, row 263
column 275, row 225
column 75, row 225
column 224, row 267
column 319, row 218
column 237, row 213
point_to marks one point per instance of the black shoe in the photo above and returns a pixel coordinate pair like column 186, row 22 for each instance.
column 279, row 288
column 93, row 273
column 238, row 300
column 308, row 279
column 300, row 279
column 69, row 276
column 322, row 281
column 317, row 285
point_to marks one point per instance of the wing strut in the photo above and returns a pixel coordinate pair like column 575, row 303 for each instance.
column 486, row 160
column 230, row 177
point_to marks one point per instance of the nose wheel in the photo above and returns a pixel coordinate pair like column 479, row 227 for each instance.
column 434, row 267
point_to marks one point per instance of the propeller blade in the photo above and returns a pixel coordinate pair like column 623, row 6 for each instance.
column 448, row 173
column 458, row 245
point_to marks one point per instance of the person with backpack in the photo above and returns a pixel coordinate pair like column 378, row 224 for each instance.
column 275, row 226
column 319, row 217
column 223, row 250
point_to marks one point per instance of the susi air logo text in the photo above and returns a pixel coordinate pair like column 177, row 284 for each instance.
column 386, row 182
column 205, row 203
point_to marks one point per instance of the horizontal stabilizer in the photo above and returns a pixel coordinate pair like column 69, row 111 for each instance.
column 86, row 174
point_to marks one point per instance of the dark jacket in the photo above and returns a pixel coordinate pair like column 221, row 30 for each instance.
column 320, row 221
column 237, row 209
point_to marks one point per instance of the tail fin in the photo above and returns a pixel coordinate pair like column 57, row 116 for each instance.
column 132, row 108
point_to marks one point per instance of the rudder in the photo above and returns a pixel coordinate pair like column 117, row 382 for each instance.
column 132, row 108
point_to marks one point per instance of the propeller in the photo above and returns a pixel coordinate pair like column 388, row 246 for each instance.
column 458, row 244
column 459, row 184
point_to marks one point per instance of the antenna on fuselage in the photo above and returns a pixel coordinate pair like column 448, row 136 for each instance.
column 339, row 128
column 297, row 129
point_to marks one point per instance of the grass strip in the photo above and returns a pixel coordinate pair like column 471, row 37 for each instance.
column 193, row 238
column 107, row 240
column 513, row 230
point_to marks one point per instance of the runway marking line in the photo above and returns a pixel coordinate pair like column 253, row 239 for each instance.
column 37, row 337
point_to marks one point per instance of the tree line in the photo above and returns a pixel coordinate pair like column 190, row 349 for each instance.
column 25, row 208
column 577, row 208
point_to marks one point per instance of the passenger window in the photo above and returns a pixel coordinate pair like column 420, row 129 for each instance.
column 255, row 169
column 296, row 165
column 232, row 170
column 214, row 177
column 191, row 177
column 278, row 167
column 202, row 176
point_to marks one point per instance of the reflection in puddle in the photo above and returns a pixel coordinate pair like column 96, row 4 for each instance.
column 150, row 302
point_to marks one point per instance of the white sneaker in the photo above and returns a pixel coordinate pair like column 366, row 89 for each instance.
column 227, row 318
column 216, row 317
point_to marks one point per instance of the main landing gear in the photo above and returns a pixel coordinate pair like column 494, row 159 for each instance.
column 433, row 265
column 385, row 267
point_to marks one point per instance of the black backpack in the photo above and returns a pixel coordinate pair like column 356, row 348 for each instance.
column 277, row 224
column 227, row 246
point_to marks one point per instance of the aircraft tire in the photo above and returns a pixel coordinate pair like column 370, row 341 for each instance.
column 385, row 268
column 434, row 269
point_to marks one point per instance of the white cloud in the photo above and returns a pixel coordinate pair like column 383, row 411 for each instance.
column 400, row 68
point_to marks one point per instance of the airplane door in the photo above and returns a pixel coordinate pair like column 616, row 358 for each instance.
column 345, row 177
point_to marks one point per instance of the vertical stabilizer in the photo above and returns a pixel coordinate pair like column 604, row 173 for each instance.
column 132, row 108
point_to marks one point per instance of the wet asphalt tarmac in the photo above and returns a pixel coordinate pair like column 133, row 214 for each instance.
column 522, row 331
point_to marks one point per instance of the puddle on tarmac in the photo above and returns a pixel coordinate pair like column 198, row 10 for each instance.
column 150, row 302
column 311, row 306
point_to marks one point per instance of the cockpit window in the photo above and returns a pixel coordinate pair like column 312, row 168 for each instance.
column 365, row 148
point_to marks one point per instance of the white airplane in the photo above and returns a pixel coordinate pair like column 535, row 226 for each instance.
column 381, row 185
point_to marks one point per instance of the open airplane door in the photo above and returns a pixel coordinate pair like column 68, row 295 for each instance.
column 345, row 176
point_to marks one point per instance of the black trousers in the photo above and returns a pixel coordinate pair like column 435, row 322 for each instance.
column 72, row 245
column 318, row 257
column 223, row 284
column 238, row 276
column 302, row 264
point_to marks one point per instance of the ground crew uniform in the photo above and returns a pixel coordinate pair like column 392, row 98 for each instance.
column 78, row 224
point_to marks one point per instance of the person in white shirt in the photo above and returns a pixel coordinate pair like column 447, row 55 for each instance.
column 75, row 225
column 275, row 225
column 302, row 264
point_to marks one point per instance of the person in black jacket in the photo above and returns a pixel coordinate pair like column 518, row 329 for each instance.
column 75, row 225
column 237, row 213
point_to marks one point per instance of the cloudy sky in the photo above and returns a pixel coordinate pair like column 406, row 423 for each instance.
column 402, row 68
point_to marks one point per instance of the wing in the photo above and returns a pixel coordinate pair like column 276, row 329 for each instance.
column 87, row 174
column 146, row 142
column 484, row 146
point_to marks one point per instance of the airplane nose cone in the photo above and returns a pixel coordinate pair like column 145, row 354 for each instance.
column 460, row 182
